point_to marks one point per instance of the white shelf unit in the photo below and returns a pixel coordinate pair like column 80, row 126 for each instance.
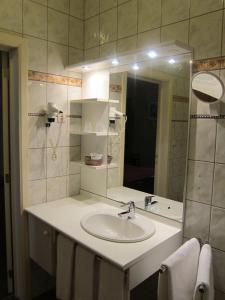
column 103, row 166
column 94, row 100
column 94, row 114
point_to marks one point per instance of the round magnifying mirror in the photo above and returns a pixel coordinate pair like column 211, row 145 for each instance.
column 207, row 87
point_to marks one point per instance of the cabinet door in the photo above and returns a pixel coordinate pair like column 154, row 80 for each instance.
column 42, row 244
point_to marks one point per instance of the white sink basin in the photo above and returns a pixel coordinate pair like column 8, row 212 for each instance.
column 109, row 226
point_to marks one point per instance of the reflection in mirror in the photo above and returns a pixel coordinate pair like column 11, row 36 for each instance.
column 207, row 87
column 149, row 154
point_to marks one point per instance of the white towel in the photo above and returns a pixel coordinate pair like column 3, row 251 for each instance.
column 111, row 282
column 178, row 281
column 205, row 275
column 84, row 274
column 64, row 270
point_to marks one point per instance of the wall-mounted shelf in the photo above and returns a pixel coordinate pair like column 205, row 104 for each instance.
column 96, row 133
column 102, row 167
column 93, row 100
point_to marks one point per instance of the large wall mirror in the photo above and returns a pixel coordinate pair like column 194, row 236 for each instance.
column 149, row 154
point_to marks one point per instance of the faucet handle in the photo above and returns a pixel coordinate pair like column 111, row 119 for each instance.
column 148, row 199
column 131, row 204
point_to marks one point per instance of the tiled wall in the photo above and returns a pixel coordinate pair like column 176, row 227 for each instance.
column 113, row 26
column 54, row 29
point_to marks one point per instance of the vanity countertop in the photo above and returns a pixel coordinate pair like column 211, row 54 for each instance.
column 64, row 215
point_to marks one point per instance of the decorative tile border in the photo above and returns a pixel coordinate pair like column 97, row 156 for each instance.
column 208, row 64
column 65, row 80
column 116, row 88
column 219, row 117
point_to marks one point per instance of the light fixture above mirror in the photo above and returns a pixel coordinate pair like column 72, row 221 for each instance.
column 163, row 51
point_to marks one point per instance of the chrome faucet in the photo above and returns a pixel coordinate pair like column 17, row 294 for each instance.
column 130, row 213
column 148, row 201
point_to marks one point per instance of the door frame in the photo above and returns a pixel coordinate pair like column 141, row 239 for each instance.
column 16, row 46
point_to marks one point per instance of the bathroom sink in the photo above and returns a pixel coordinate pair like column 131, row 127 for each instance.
column 109, row 226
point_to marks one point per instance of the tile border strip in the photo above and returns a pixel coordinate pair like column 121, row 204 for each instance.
column 51, row 78
column 199, row 116
column 209, row 64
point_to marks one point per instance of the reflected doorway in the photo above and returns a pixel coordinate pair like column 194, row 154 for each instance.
column 142, row 103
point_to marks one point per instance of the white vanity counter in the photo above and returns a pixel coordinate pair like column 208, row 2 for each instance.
column 64, row 215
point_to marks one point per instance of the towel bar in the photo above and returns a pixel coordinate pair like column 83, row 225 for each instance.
column 201, row 288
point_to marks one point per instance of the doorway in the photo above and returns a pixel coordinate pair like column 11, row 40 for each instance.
column 6, row 269
column 141, row 130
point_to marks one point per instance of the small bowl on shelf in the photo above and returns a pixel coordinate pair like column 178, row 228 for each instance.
column 93, row 162
column 109, row 159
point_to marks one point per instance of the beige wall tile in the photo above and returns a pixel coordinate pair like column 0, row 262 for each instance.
column 91, row 53
column 36, row 125
column 37, row 54
column 175, row 11
column 76, row 33
column 108, row 49
column 56, row 188
column 57, row 93
column 37, row 164
column 149, row 14
column 92, row 32
column 197, row 218
column 57, row 58
column 108, row 26
column 223, row 37
column 36, row 132
column 42, row 2
column 74, row 157
column 220, row 142
column 11, row 15
column 218, row 186
column 61, row 5
column 204, row 6
column 35, row 19
column 202, row 35
column 202, row 139
column 59, row 166
column 37, row 96
column 75, row 55
column 91, row 8
column 127, row 44
column 122, row 1
column 77, row 8
column 107, row 4
column 73, row 185
column 148, row 38
column 217, row 225
column 37, row 192
column 57, row 27
column 219, row 295
column 199, row 181
column 127, row 19
column 178, row 31
column 219, row 269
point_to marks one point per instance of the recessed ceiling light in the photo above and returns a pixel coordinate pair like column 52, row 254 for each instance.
column 115, row 62
column 135, row 67
column 86, row 68
column 152, row 54
column 171, row 61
